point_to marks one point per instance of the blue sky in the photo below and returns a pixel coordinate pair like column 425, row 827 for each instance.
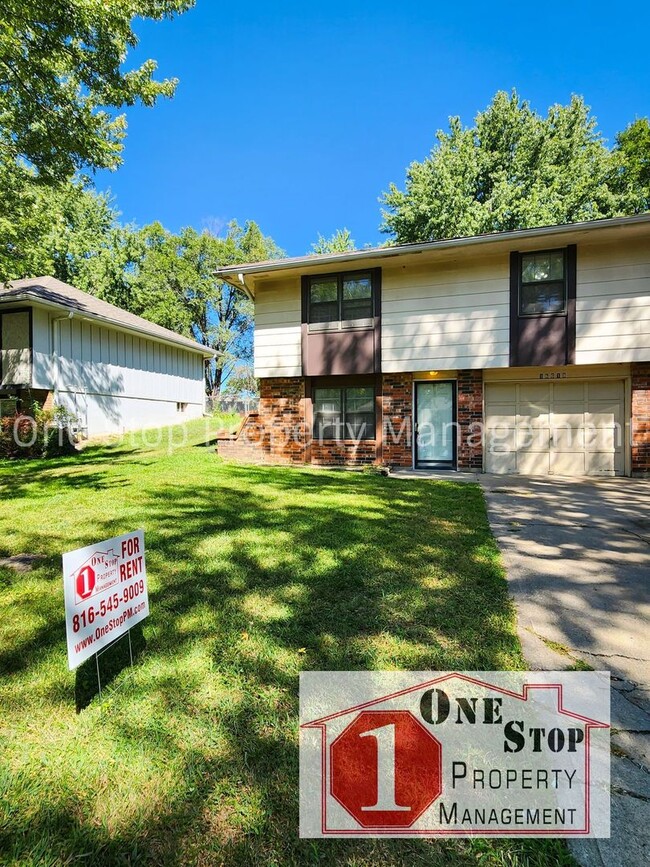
column 298, row 114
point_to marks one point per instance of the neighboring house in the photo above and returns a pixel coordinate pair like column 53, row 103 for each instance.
column 515, row 352
column 115, row 371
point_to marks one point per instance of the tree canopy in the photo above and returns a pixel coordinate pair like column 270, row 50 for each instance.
column 175, row 285
column 340, row 242
column 165, row 277
column 516, row 169
column 62, row 84
column 61, row 80
column 632, row 165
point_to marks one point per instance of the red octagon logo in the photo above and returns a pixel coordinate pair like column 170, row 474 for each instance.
column 85, row 582
column 385, row 769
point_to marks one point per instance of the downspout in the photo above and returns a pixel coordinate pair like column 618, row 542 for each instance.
column 56, row 353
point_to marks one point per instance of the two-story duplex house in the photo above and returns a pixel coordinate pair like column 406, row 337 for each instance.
column 515, row 352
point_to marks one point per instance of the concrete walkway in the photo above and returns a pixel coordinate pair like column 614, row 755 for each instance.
column 577, row 556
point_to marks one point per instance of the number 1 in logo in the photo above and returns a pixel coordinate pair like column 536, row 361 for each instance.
column 385, row 737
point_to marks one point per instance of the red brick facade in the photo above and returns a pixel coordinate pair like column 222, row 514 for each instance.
column 470, row 419
column 333, row 453
column 281, row 431
column 277, row 433
column 641, row 419
column 397, row 408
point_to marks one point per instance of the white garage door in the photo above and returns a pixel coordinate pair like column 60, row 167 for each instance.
column 564, row 428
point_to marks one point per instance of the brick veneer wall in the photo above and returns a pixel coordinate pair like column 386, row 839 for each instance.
column 282, row 412
column 245, row 445
column 641, row 419
column 470, row 418
column 337, row 453
column 397, row 405
column 277, row 432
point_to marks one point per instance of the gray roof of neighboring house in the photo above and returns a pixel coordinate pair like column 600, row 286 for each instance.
column 53, row 292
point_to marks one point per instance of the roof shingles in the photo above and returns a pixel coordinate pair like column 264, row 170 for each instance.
column 53, row 291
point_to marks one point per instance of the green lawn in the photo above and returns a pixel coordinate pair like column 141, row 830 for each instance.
column 254, row 574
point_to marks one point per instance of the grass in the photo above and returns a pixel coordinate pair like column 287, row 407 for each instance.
column 226, row 421
column 254, row 574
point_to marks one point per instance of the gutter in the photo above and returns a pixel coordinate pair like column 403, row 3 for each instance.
column 241, row 271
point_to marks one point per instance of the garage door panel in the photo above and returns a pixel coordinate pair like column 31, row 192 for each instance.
column 501, row 416
column 568, row 464
column 568, row 439
column 603, row 440
column 538, row 393
column 502, row 440
column 532, row 439
column 502, row 463
column 534, row 417
column 533, row 463
column 611, row 391
column 568, row 417
column 603, row 464
column 603, row 413
column 506, row 393
column 572, row 392
column 563, row 428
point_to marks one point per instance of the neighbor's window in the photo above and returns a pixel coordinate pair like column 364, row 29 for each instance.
column 344, row 413
column 340, row 298
column 542, row 284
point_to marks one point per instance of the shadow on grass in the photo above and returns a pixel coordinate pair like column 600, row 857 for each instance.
column 37, row 477
column 261, row 572
column 109, row 663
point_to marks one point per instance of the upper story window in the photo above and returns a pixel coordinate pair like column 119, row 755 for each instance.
column 16, row 347
column 337, row 299
column 542, row 283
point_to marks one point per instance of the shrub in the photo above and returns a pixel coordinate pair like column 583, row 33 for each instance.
column 40, row 433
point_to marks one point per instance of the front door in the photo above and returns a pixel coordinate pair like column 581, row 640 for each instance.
column 435, row 416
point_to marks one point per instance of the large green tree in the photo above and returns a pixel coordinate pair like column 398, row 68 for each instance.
column 631, row 164
column 512, row 169
column 73, row 233
column 62, row 85
column 175, row 285
column 62, row 79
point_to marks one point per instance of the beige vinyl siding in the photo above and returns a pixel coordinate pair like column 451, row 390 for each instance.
column 453, row 315
column 277, row 329
column 613, row 302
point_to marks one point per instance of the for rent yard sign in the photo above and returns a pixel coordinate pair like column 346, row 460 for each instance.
column 105, row 588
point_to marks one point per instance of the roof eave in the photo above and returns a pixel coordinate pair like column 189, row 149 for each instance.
column 236, row 275
column 33, row 297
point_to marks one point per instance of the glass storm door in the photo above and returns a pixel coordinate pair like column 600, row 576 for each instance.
column 435, row 413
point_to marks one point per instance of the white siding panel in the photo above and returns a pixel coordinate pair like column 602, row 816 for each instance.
column 446, row 317
column 42, row 364
column 116, row 381
column 613, row 303
column 278, row 338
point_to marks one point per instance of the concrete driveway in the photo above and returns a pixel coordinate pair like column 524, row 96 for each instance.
column 577, row 555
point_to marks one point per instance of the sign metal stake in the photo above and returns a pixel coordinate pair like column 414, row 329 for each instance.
column 103, row 650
